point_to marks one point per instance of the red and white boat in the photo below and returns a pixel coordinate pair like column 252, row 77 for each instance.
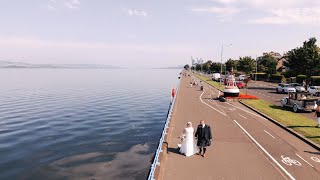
column 231, row 89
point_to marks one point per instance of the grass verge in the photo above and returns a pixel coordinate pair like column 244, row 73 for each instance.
column 294, row 121
column 209, row 81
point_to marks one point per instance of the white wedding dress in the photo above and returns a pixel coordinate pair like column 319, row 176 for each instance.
column 188, row 146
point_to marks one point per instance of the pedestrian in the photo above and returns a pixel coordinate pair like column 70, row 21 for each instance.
column 173, row 93
column 191, row 84
column 204, row 136
column 317, row 113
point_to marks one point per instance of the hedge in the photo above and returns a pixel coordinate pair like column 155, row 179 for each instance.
column 300, row 78
column 277, row 78
column 260, row 76
column 315, row 80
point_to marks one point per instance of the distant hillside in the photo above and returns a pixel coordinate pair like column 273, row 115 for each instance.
column 10, row 64
column 172, row 67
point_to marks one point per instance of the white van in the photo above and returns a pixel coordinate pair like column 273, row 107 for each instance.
column 216, row 76
column 242, row 77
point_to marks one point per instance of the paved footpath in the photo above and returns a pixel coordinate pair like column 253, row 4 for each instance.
column 245, row 145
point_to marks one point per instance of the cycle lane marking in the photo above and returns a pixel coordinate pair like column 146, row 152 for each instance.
column 304, row 160
column 269, row 134
column 243, row 116
column 266, row 152
column 288, row 161
column 315, row 159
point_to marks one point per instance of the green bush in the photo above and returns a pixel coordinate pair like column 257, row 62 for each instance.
column 288, row 74
column 315, row 80
column 277, row 78
column 300, row 78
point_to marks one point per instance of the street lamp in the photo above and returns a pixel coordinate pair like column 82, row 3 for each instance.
column 221, row 59
column 255, row 77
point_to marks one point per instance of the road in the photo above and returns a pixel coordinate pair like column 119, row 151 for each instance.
column 267, row 92
column 245, row 145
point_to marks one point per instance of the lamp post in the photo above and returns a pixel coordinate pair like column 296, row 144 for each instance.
column 255, row 77
column 221, row 59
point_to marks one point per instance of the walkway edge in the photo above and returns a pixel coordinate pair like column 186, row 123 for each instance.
column 312, row 144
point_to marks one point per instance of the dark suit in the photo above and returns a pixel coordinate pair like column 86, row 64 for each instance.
column 204, row 136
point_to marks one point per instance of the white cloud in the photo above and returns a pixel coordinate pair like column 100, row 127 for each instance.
column 72, row 4
column 57, row 4
column 290, row 16
column 223, row 13
column 273, row 11
column 51, row 7
column 135, row 12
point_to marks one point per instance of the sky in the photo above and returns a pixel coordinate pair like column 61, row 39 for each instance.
column 151, row 33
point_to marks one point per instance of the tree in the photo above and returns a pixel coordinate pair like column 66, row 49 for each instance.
column 231, row 64
column 198, row 67
column 267, row 64
column 215, row 67
column 186, row 67
column 304, row 60
column 206, row 66
column 246, row 64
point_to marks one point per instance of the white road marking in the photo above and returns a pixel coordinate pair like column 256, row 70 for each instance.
column 304, row 160
column 245, row 110
column 269, row 134
column 243, row 116
column 289, row 162
column 315, row 159
column 224, row 107
column 210, row 106
column 266, row 152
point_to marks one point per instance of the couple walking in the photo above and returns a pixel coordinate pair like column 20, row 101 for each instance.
column 203, row 135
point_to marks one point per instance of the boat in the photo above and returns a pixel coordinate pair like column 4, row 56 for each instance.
column 230, row 89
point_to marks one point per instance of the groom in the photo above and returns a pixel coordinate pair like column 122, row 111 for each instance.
column 204, row 137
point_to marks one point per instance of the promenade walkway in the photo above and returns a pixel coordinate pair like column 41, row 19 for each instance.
column 269, row 152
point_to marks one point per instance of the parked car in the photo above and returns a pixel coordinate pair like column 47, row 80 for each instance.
column 242, row 77
column 284, row 88
column 216, row 76
column 300, row 101
column 240, row 84
column 298, row 87
column 315, row 90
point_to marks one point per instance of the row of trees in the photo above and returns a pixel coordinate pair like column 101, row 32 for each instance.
column 244, row 64
column 301, row 60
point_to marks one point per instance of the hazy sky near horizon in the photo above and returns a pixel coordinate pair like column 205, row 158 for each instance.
column 150, row 33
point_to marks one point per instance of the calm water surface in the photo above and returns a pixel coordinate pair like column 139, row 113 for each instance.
column 81, row 123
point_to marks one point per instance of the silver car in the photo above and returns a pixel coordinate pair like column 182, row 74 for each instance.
column 284, row 88
column 298, row 87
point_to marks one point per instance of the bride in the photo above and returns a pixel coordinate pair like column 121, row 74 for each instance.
column 188, row 146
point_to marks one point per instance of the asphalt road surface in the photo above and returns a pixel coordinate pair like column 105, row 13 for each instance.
column 267, row 92
column 245, row 145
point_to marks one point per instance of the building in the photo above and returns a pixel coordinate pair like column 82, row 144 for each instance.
column 280, row 65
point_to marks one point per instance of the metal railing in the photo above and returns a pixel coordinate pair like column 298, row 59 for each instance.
column 163, row 135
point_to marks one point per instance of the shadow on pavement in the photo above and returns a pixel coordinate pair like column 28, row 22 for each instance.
column 262, row 88
column 304, row 127
column 318, row 153
column 313, row 136
column 173, row 150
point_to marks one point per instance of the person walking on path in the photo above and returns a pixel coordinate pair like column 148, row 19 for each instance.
column 191, row 84
column 188, row 146
column 318, row 116
column 204, row 136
